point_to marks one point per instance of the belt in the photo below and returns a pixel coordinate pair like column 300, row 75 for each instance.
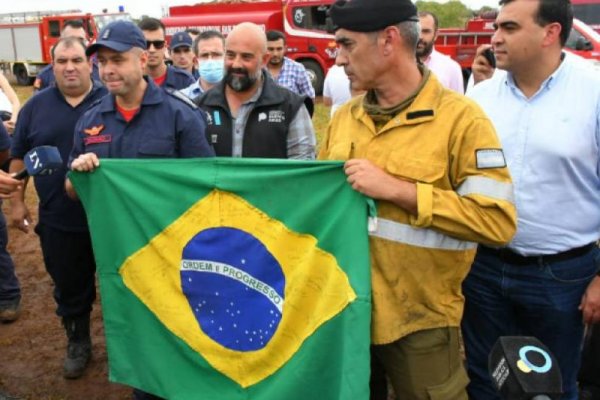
column 510, row 257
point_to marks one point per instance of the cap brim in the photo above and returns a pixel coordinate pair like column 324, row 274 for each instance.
column 181, row 45
column 110, row 44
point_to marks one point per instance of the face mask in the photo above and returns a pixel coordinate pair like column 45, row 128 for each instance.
column 211, row 71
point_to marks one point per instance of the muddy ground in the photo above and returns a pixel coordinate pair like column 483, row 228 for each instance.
column 32, row 348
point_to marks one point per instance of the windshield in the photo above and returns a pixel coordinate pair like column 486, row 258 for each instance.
column 105, row 19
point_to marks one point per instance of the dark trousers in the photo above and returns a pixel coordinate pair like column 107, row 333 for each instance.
column 70, row 262
column 539, row 299
column 10, row 291
column 589, row 374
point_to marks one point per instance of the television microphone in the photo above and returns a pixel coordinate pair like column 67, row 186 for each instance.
column 522, row 368
column 40, row 161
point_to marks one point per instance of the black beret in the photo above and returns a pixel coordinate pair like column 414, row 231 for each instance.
column 371, row 15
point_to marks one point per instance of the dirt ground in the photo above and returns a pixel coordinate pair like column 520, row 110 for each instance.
column 32, row 348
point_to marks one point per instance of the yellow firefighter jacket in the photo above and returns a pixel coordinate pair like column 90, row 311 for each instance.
column 445, row 144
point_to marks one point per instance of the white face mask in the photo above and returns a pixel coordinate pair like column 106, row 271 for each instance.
column 211, row 71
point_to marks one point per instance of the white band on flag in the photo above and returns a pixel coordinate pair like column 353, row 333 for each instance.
column 232, row 272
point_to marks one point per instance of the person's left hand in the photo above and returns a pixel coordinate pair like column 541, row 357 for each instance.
column 10, row 126
column 590, row 302
column 370, row 180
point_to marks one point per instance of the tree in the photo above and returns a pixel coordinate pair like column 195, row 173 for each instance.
column 452, row 14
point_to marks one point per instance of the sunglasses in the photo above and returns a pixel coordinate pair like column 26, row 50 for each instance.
column 158, row 44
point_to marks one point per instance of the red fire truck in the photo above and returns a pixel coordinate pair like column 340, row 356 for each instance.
column 302, row 21
column 461, row 44
column 27, row 39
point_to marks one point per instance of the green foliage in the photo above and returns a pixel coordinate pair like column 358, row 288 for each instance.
column 452, row 14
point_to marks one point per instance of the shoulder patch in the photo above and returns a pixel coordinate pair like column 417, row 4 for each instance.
column 490, row 158
column 181, row 97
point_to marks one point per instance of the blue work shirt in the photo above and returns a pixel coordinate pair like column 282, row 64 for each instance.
column 177, row 78
column 48, row 119
column 164, row 127
column 552, row 146
column 45, row 78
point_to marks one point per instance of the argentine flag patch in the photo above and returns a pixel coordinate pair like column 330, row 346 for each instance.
column 490, row 158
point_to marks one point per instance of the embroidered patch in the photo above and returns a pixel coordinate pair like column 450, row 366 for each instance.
column 94, row 130
column 97, row 139
column 490, row 158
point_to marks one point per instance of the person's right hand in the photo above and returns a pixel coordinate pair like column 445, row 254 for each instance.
column 19, row 215
column 481, row 68
column 85, row 163
column 8, row 185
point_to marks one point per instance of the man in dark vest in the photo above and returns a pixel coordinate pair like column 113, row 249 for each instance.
column 248, row 114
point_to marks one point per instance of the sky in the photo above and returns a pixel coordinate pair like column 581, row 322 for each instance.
column 135, row 7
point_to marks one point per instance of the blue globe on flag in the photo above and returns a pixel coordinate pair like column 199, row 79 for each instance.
column 234, row 286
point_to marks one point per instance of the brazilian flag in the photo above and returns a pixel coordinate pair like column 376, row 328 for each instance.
column 231, row 279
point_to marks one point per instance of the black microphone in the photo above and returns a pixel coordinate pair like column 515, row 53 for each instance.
column 522, row 368
column 39, row 161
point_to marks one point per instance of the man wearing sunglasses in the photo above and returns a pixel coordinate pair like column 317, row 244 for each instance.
column 163, row 75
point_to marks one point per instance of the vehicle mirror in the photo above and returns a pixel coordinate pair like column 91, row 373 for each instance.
column 582, row 44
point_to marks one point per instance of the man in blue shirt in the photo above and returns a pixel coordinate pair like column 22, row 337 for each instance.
column 10, row 290
column 49, row 118
column 163, row 75
column 209, row 48
column 182, row 55
column 71, row 28
column 546, row 110
column 138, row 119
column 285, row 71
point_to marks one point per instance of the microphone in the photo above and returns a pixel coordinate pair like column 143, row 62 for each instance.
column 522, row 368
column 40, row 161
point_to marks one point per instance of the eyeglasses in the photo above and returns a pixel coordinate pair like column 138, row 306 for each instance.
column 158, row 44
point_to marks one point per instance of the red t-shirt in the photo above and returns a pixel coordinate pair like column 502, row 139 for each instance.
column 127, row 114
column 160, row 80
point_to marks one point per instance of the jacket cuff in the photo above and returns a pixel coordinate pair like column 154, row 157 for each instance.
column 424, row 206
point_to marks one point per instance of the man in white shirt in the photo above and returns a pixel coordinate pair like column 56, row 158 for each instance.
column 336, row 88
column 446, row 69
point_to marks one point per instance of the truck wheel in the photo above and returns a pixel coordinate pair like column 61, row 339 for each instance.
column 23, row 78
column 316, row 75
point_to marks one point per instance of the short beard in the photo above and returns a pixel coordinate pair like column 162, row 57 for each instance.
column 241, row 84
column 426, row 51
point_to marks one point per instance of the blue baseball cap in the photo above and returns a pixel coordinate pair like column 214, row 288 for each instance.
column 119, row 36
column 181, row 39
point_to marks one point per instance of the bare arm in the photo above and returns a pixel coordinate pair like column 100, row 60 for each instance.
column 14, row 101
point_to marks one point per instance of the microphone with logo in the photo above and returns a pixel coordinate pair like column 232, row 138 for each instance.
column 40, row 161
column 522, row 368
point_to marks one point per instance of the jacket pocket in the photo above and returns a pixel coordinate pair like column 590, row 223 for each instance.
column 414, row 170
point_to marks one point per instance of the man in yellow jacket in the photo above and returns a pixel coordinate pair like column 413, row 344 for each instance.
column 431, row 159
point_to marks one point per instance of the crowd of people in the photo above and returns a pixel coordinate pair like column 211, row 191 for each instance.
column 488, row 204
